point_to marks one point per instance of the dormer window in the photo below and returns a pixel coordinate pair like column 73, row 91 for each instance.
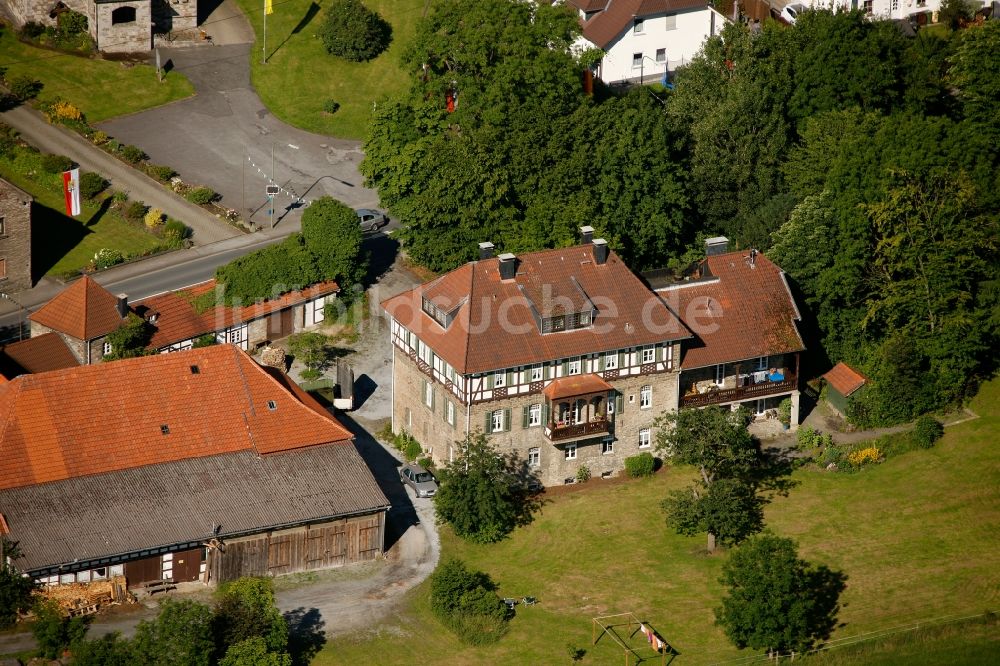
column 442, row 317
column 567, row 322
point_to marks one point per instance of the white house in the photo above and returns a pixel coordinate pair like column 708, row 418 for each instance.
column 889, row 9
column 644, row 39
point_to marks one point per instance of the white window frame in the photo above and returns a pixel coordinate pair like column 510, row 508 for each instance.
column 636, row 62
column 570, row 452
column 646, row 397
column 645, row 438
column 649, row 354
column 536, row 373
column 720, row 374
column 106, row 349
column 611, row 361
column 661, row 55
column 497, row 421
column 451, row 413
column 534, row 457
column 762, row 362
column 535, row 415
column 607, row 448
column 428, row 395
column 671, row 21
column 575, row 367
column 500, row 379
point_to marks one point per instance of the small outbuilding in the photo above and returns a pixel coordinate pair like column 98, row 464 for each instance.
column 843, row 383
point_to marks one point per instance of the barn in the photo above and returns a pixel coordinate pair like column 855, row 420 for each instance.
column 195, row 466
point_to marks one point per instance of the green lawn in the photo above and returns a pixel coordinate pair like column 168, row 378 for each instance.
column 916, row 537
column 62, row 245
column 300, row 76
column 100, row 88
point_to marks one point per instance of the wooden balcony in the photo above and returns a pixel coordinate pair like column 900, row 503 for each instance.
column 754, row 391
column 558, row 433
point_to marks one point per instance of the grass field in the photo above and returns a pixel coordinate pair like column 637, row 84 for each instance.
column 300, row 76
column 100, row 88
column 62, row 245
column 916, row 537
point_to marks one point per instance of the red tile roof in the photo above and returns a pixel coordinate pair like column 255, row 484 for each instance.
column 568, row 387
column 743, row 312
column 495, row 326
column 42, row 353
column 177, row 320
column 605, row 27
column 85, row 310
column 154, row 409
column 845, row 379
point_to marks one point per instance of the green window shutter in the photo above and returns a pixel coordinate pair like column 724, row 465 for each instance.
column 622, row 360
column 600, row 363
column 488, row 382
column 510, row 378
column 506, row 419
column 524, row 416
column 433, row 399
column 619, row 403
column 547, row 371
column 565, row 368
column 545, row 414
column 488, row 428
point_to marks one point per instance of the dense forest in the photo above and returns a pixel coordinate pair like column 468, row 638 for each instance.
column 862, row 160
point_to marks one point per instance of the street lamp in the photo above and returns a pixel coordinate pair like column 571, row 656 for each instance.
column 20, row 321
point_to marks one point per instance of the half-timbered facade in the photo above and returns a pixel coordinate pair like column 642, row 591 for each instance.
column 564, row 356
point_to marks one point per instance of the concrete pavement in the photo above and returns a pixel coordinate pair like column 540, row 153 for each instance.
column 61, row 141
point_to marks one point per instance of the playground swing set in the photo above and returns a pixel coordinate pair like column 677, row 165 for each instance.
column 653, row 641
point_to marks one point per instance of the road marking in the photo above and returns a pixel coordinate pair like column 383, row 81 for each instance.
column 291, row 145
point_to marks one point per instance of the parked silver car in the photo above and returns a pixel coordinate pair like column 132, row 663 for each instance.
column 371, row 220
column 423, row 482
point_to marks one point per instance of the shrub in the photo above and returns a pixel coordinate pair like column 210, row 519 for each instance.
column 54, row 632
column 354, row 32
column 64, row 112
column 830, row 454
column 641, row 465
column 175, row 230
column 412, row 450
column 806, row 437
column 926, row 431
column 136, row 211
column 583, row 474
column 56, row 163
column 425, row 462
column 785, row 411
column 160, row 172
column 206, row 340
column 24, row 87
column 99, row 138
column 92, row 184
column 862, row 457
column 72, row 23
column 107, row 257
column 132, row 154
column 201, row 195
column 467, row 603
column 32, row 30
column 153, row 218
column 331, row 106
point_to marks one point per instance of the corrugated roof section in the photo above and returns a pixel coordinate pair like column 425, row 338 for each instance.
column 178, row 502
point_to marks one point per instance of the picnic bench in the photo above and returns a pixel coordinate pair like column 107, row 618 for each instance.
column 151, row 587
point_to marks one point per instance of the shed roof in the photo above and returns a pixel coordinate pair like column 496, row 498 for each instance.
column 113, row 514
column 41, row 353
column 576, row 385
column 845, row 379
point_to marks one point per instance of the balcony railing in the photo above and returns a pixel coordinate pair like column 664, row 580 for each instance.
column 556, row 432
column 737, row 394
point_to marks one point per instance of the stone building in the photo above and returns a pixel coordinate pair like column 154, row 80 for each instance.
column 117, row 26
column 82, row 315
column 567, row 358
column 15, row 238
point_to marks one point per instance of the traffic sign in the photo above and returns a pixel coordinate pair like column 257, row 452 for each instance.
column 272, row 190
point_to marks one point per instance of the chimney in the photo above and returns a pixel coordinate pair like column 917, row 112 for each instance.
column 486, row 250
column 122, row 306
column 716, row 245
column 600, row 251
column 586, row 235
column 508, row 266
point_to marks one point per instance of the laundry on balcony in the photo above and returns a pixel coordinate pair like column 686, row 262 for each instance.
column 776, row 375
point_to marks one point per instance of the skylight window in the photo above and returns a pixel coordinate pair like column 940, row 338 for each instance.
column 195, row 370
column 272, row 405
column 165, row 429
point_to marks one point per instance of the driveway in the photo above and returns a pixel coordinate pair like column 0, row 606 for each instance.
column 224, row 137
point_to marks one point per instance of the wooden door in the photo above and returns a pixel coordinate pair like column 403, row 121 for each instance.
column 187, row 565
column 144, row 570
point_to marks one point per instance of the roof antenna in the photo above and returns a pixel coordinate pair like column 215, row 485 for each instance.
column 753, row 257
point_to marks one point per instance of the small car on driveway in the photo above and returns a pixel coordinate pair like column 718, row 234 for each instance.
column 423, row 482
column 371, row 220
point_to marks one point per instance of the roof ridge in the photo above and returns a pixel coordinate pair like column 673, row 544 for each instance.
column 246, row 388
column 11, row 401
column 472, row 284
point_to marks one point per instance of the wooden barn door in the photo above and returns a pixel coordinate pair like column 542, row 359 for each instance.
column 187, row 565
column 144, row 570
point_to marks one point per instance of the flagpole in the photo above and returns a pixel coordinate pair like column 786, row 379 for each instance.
column 264, row 50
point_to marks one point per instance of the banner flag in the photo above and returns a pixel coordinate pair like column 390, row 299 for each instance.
column 71, row 189
column 268, row 7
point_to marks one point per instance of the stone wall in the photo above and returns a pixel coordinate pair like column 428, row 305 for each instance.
column 431, row 428
column 78, row 347
column 15, row 238
column 175, row 15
